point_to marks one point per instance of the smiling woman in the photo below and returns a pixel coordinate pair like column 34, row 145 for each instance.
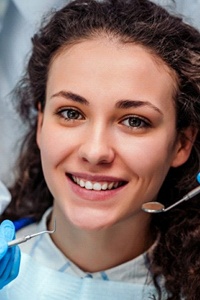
column 116, row 126
column 109, row 132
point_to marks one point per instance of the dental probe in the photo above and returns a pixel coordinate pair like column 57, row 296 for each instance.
column 28, row 237
column 157, row 207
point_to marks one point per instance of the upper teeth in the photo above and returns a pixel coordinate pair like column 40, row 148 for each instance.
column 97, row 186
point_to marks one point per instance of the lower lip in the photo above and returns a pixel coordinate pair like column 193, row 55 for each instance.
column 93, row 195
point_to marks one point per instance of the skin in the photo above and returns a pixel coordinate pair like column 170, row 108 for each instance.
column 109, row 117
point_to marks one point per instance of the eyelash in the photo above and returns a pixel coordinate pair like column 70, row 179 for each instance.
column 135, row 125
column 61, row 113
column 143, row 123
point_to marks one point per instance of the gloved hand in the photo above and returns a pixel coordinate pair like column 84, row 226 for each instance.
column 9, row 257
column 198, row 177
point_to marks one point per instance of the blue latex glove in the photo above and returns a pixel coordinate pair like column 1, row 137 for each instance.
column 198, row 177
column 9, row 257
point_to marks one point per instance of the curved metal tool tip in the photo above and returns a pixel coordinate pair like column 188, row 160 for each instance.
column 153, row 207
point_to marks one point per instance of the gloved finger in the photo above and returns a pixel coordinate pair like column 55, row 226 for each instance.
column 7, row 230
column 5, row 261
column 7, row 233
column 12, row 269
column 198, row 177
column 16, row 263
column 9, row 257
column 7, row 264
column 3, row 247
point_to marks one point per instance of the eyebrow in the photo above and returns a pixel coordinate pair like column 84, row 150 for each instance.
column 71, row 96
column 121, row 104
column 126, row 104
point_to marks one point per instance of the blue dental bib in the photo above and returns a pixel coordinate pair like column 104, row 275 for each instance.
column 36, row 282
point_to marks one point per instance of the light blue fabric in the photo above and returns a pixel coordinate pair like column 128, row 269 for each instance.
column 187, row 9
column 44, row 251
column 42, row 283
column 5, row 197
column 19, row 20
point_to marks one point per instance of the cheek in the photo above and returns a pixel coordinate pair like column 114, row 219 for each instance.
column 49, row 150
column 148, row 156
column 54, row 143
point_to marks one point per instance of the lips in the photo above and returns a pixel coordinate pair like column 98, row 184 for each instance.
column 96, row 185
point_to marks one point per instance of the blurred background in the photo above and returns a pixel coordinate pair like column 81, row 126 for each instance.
column 19, row 19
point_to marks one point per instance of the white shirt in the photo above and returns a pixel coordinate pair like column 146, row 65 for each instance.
column 43, row 250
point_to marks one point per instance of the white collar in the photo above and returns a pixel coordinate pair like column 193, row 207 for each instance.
column 45, row 251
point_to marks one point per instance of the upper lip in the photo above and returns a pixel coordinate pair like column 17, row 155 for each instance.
column 96, row 178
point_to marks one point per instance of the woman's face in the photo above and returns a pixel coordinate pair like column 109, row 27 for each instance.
column 107, row 134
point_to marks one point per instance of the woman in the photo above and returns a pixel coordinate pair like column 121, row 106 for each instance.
column 111, row 100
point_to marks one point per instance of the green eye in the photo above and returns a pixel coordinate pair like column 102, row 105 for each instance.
column 70, row 114
column 135, row 122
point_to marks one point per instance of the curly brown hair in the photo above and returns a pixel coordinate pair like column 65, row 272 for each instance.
column 178, row 45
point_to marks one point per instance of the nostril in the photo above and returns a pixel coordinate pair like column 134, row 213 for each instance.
column 96, row 149
column 95, row 157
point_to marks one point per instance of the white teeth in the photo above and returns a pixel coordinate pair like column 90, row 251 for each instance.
column 110, row 186
column 81, row 183
column 74, row 178
column 116, row 184
column 104, row 186
column 88, row 185
column 97, row 186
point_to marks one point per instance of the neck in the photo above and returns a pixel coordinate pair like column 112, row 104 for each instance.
column 98, row 250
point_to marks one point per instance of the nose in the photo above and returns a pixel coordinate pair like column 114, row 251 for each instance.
column 96, row 147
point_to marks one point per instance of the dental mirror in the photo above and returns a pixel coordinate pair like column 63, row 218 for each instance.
column 153, row 207
column 156, row 207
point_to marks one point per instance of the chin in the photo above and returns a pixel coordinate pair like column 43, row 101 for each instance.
column 91, row 222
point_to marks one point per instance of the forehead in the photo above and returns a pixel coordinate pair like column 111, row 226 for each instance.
column 104, row 65
column 93, row 44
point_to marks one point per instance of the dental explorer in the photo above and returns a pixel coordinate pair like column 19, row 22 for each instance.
column 28, row 237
